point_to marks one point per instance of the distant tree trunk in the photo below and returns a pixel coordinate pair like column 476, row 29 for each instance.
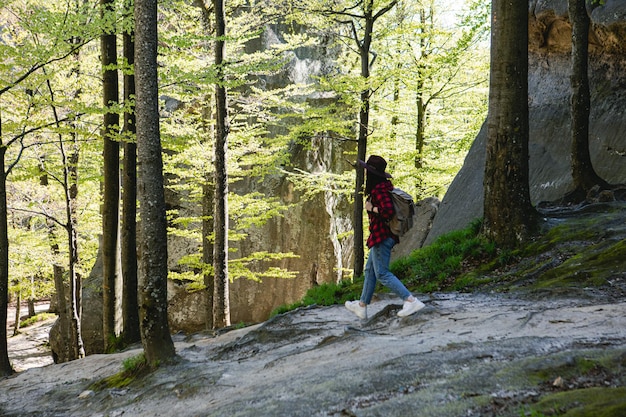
column 5, row 365
column 30, row 302
column 70, row 323
column 420, row 103
column 208, row 204
column 364, row 45
column 208, row 189
column 57, row 274
column 400, row 18
column 364, row 53
column 221, row 304
column 508, row 213
column 111, row 169
column 18, row 313
column 155, row 334
column 71, row 196
column 583, row 173
column 130, row 305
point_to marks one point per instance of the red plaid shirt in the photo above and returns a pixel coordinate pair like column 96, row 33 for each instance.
column 379, row 222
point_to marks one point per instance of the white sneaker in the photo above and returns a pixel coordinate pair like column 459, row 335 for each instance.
column 355, row 307
column 409, row 308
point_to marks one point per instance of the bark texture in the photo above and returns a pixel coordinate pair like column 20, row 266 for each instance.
column 508, row 212
column 221, row 302
column 155, row 335
column 111, row 185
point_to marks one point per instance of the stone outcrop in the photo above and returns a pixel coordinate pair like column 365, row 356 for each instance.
column 313, row 229
column 549, row 97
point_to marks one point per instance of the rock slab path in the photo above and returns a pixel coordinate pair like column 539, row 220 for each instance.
column 462, row 355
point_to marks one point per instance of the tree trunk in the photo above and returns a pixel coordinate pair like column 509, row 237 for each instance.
column 30, row 302
column 208, row 191
column 57, row 274
column 130, row 306
column 364, row 52
column 111, row 167
column 420, row 104
column 208, row 204
column 364, row 46
column 18, row 313
column 583, row 173
column 71, row 194
column 221, row 303
column 5, row 365
column 152, row 279
column 509, row 215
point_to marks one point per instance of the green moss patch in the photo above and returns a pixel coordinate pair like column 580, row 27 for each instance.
column 134, row 368
column 586, row 402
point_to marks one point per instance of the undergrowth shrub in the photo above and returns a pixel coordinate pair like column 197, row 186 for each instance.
column 435, row 267
column 432, row 268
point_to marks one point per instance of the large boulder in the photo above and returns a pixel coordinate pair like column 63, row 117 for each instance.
column 549, row 98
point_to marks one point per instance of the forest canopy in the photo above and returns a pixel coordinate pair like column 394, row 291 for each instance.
column 293, row 80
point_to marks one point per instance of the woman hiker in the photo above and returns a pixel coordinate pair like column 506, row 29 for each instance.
column 379, row 209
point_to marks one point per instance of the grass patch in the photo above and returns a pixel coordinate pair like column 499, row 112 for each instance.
column 436, row 267
column 441, row 265
column 133, row 368
column 588, row 250
column 325, row 295
column 36, row 319
column 586, row 402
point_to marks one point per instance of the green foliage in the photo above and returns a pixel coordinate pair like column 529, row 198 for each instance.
column 267, row 121
column 436, row 267
column 115, row 343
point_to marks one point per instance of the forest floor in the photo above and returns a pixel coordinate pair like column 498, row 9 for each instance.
column 526, row 351
column 30, row 348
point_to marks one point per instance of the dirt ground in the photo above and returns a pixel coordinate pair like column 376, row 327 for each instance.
column 30, row 348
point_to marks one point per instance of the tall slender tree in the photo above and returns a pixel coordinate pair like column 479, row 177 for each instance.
column 70, row 186
column 366, row 18
column 509, row 214
column 221, row 303
column 583, row 173
column 130, row 306
column 152, row 280
column 57, row 272
column 111, row 175
column 5, row 366
column 27, row 59
column 70, row 160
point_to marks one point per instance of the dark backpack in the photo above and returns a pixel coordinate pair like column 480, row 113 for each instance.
column 404, row 209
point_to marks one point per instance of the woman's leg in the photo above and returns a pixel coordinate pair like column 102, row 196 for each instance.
column 369, row 283
column 380, row 256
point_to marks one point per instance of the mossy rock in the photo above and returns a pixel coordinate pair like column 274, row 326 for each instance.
column 586, row 402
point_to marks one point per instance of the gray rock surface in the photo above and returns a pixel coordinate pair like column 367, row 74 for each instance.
column 549, row 97
column 460, row 356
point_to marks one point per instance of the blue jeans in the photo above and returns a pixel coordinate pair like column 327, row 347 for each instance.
column 377, row 268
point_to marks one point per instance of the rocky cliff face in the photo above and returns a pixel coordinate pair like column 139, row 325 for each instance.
column 312, row 229
column 549, row 97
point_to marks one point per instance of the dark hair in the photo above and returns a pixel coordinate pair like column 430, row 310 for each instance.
column 371, row 181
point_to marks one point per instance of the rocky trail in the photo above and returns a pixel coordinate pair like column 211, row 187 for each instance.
column 30, row 347
column 463, row 355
